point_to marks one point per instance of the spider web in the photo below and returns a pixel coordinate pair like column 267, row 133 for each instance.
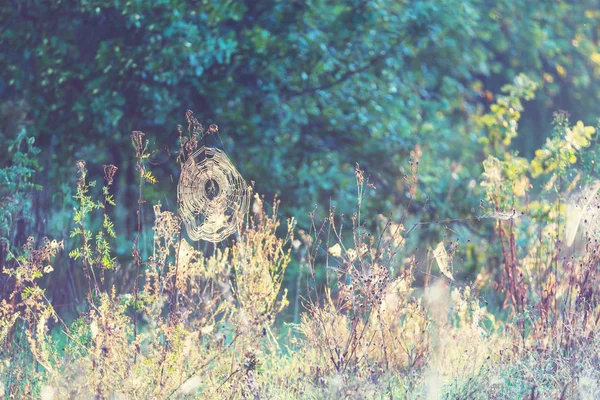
column 582, row 206
column 212, row 196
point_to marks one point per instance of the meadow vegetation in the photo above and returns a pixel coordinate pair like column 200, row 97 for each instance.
column 378, row 319
column 423, row 220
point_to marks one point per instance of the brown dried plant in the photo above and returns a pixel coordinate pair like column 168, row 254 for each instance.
column 373, row 322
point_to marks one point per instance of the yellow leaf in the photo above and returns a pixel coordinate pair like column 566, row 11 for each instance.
column 335, row 250
column 579, row 136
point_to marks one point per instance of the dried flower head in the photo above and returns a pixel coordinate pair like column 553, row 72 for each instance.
column 80, row 165
column 137, row 139
column 212, row 129
column 109, row 173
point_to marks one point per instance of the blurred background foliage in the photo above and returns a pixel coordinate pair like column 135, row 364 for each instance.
column 301, row 92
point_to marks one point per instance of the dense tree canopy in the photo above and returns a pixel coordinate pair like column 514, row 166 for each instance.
column 301, row 91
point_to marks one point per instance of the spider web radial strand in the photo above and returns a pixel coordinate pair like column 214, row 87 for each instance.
column 212, row 196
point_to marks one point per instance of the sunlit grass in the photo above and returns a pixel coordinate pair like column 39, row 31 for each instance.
column 376, row 321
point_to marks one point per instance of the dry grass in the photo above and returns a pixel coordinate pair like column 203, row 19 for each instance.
column 204, row 325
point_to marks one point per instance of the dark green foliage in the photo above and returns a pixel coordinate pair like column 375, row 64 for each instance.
column 18, row 166
column 300, row 90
